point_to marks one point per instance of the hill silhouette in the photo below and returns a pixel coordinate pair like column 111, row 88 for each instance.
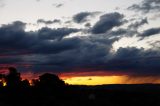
column 50, row 90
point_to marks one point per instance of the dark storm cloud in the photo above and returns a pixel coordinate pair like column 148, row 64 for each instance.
column 44, row 52
column 14, row 37
column 52, row 47
column 48, row 22
column 85, row 52
column 146, row 6
column 107, row 22
column 43, row 48
column 82, row 16
column 13, row 34
column 136, row 61
column 150, row 32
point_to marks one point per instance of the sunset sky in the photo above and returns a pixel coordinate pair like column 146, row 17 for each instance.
column 88, row 42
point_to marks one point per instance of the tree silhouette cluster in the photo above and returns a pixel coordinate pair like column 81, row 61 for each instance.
column 46, row 81
column 49, row 90
column 17, row 92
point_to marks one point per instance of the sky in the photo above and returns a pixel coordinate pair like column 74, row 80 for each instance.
column 86, row 42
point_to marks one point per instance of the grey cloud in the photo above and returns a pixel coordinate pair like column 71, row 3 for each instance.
column 118, row 32
column 68, row 54
column 150, row 32
column 58, row 5
column 130, row 31
column 15, row 26
column 107, row 22
column 47, row 22
column 2, row 4
column 138, row 24
column 121, row 32
column 88, row 25
column 155, row 16
column 82, row 16
column 155, row 44
column 146, row 6
column 59, row 33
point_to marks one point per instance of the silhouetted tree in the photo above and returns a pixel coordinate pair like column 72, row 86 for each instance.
column 51, row 81
column 35, row 82
column 1, row 80
column 13, row 79
column 25, row 83
column 1, row 76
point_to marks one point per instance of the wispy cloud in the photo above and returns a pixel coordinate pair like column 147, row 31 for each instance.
column 58, row 5
column 2, row 4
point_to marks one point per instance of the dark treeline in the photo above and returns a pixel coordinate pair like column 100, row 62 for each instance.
column 50, row 90
column 14, row 81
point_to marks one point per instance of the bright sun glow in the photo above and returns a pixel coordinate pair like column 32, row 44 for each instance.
column 100, row 80
column 94, row 80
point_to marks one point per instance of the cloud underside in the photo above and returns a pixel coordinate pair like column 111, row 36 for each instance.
column 52, row 50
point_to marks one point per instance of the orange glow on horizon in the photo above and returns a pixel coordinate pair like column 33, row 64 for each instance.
column 100, row 80
column 94, row 80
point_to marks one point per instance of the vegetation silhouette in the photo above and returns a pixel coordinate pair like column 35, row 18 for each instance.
column 13, row 79
column 50, row 80
column 50, row 90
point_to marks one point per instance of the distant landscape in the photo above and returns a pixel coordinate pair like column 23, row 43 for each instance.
column 50, row 90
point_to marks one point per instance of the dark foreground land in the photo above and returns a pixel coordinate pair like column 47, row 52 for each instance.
column 49, row 90
column 106, row 95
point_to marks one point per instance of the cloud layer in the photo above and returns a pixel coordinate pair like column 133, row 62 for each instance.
column 50, row 49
